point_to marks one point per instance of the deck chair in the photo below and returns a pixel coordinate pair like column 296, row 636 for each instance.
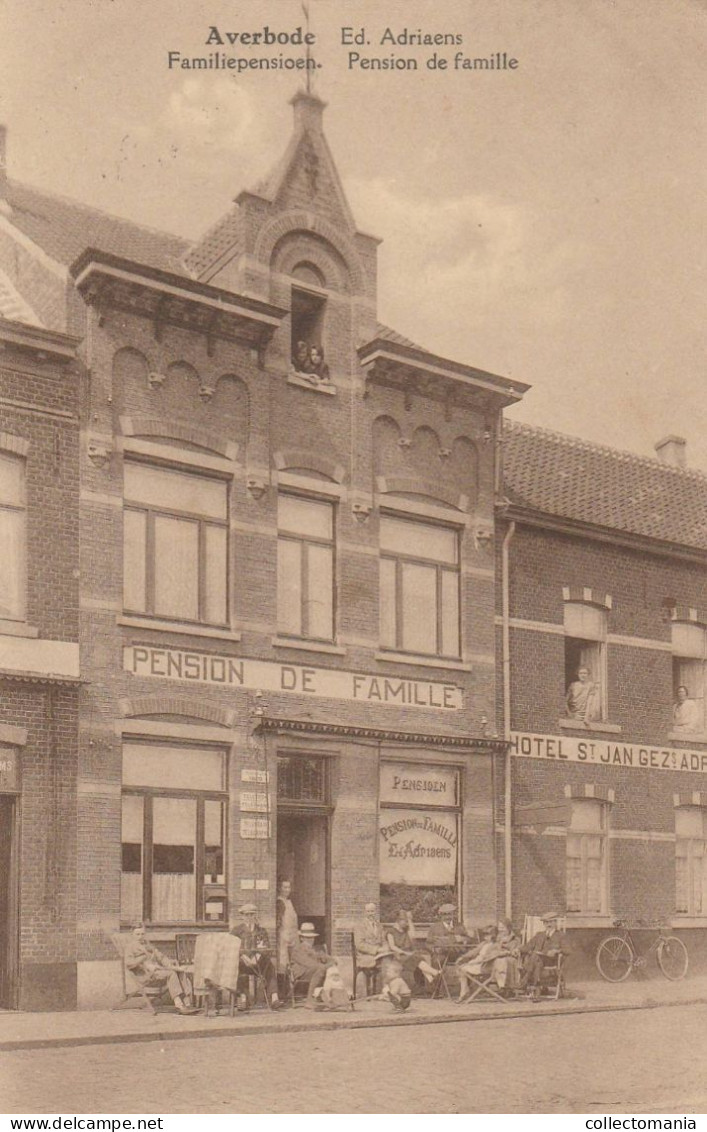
column 484, row 985
column 132, row 988
column 552, row 979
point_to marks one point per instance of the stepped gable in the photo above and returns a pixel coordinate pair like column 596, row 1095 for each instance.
column 573, row 479
column 64, row 228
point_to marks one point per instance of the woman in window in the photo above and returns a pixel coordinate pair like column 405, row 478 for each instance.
column 583, row 698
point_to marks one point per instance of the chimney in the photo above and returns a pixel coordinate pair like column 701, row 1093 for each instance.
column 671, row 450
column 308, row 110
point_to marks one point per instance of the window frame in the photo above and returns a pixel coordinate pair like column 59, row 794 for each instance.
column 304, row 541
column 399, row 560
column 598, row 643
column 148, row 794
column 696, row 660
column 151, row 513
column 18, row 615
column 691, row 856
column 583, row 857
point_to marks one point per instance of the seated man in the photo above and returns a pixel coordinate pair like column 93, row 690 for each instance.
column 447, row 933
column 255, row 948
column 370, row 941
column 151, row 968
column 306, row 963
column 542, row 951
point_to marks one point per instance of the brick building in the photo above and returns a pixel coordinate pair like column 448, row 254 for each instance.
column 39, row 659
column 602, row 567
column 310, row 607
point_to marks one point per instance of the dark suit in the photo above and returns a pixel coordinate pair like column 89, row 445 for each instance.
column 442, row 938
column 540, row 952
column 252, row 941
column 305, row 963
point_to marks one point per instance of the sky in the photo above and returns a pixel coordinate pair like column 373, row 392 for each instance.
column 546, row 222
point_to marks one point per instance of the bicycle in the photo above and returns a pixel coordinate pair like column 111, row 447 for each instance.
column 617, row 955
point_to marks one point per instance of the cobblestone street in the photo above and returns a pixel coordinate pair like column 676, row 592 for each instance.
column 631, row 1061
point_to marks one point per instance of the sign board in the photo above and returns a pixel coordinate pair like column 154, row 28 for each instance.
column 421, row 785
column 250, row 774
column 603, row 752
column 418, row 848
column 334, row 683
column 9, row 770
column 255, row 829
column 256, row 802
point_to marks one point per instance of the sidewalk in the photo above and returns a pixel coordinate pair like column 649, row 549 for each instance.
column 135, row 1024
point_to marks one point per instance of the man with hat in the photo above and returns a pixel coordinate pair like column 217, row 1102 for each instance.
column 542, row 951
column 255, row 957
column 447, row 933
column 306, row 963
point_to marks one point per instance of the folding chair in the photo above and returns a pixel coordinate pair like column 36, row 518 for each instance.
column 484, row 986
column 132, row 987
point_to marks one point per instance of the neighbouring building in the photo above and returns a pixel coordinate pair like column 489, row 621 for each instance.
column 39, row 660
column 602, row 560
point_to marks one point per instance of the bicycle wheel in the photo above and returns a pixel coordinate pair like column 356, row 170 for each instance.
column 614, row 959
column 672, row 957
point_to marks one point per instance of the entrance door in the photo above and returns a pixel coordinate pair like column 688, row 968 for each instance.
column 8, row 904
column 302, row 858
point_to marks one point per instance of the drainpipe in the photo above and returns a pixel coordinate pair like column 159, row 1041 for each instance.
column 506, row 650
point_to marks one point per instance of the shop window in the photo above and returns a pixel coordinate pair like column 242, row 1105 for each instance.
column 691, row 860
column 689, row 665
column 13, row 534
column 173, row 834
column 175, row 530
column 419, row 587
column 305, row 568
column 585, row 662
column 419, row 835
column 587, row 857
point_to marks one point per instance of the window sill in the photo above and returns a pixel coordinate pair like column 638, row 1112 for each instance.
column 587, row 920
column 679, row 921
column 312, row 384
column 17, row 629
column 421, row 661
column 595, row 725
column 688, row 736
column 307, row 646
column 179, row 627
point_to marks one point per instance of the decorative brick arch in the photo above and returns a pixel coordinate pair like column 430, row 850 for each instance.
column 433, row 490
column 298, row 219
column 305, row 458
column 17, row 445
column 178, row 705
column 299, row 246
column 178, row 430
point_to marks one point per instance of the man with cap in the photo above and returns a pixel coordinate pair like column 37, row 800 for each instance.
column 255, row 957
column 541, row 951
column 447, row 933
column 306, row 963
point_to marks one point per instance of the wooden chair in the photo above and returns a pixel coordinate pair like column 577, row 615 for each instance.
column 132, row 987
column 552, row 978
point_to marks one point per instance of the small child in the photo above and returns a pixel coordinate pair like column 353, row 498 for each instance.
column 395, row 989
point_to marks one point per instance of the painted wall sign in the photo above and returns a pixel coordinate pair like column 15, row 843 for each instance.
column 421, row 785
column 563, row 748
column 254, row 801
column 255, row 829
column 418, row 848
column 9, row 770
column 334, row 683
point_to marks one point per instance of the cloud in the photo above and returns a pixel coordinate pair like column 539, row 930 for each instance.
column 215, row 114
column 467, row 267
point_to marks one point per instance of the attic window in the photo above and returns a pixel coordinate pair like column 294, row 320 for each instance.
column 309, row 365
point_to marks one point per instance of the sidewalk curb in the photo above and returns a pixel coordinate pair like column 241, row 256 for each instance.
column 350, row 1022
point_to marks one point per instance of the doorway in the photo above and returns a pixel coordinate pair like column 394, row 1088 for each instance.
column 303, row 859
column 8, row 903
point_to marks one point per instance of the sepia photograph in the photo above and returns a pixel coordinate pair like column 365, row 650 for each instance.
column 353, row 561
